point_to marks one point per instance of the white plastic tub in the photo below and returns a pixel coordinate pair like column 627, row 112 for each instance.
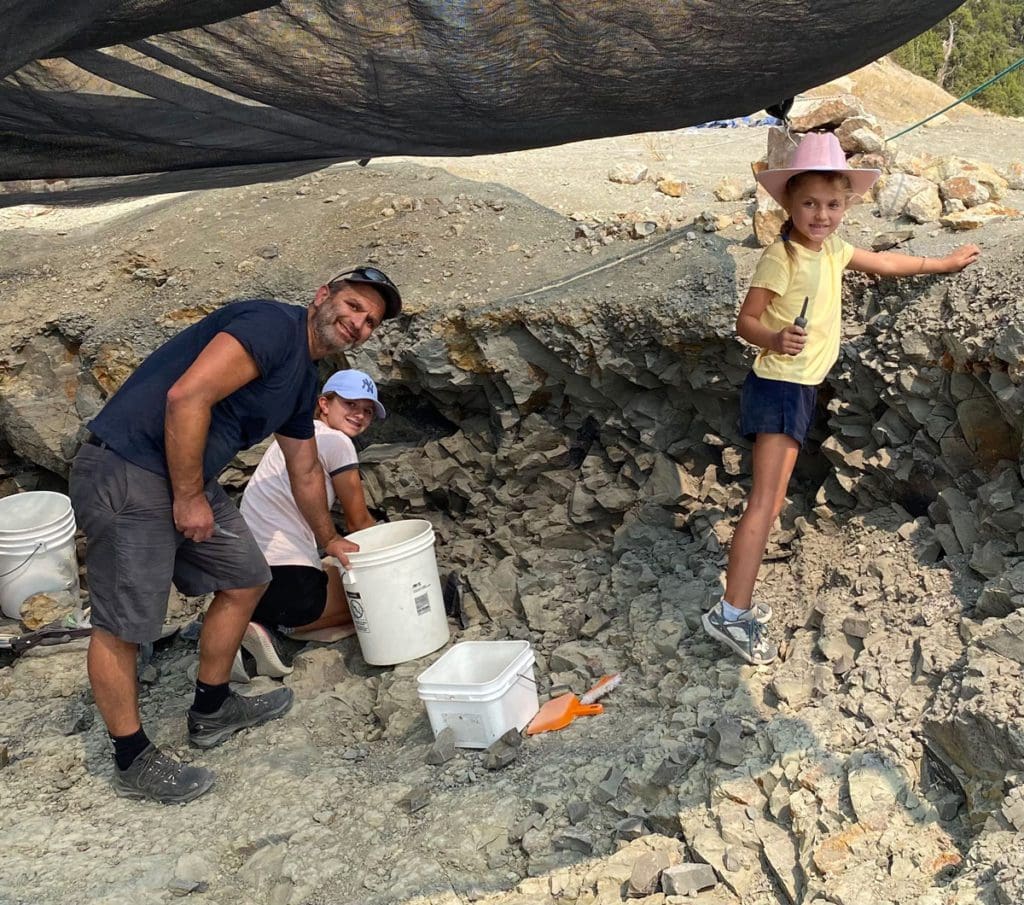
column 480, row 689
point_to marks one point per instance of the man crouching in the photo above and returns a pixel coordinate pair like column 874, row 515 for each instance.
column 144, row 489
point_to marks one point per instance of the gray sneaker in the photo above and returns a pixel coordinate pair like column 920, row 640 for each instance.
column 207, row 730
column 762, row 611
column 159, row 777
column 745, row 635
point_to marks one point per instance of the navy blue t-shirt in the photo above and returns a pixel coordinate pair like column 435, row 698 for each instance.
column 281, row 400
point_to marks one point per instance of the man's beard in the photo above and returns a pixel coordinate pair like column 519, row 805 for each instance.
column 325, row 332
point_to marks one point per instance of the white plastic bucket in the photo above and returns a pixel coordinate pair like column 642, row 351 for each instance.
column 394, row 592
column 37, row 548
column 480, row 690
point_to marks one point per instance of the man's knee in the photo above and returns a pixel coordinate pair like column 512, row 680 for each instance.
column 242, row 596
column 108, row 653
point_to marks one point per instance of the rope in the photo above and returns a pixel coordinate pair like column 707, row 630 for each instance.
column 960, row 100
column 672, row 236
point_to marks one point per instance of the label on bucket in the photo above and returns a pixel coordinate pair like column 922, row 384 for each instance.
column 355, row 607
column 421, row 597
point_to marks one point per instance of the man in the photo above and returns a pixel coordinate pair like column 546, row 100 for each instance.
column 144, row 489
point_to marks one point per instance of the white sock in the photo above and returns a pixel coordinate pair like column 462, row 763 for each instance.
column 730, row 612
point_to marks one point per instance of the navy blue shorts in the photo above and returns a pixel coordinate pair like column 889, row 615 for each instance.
column 776, row 407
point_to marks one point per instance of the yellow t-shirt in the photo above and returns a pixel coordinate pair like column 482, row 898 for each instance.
column 818, row 276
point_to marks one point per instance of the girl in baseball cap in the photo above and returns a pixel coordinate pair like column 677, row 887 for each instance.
column 351, row 386
column 305, row 599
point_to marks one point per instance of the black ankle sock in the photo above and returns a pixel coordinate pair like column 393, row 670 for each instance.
column 210, row 697
column 129, row 747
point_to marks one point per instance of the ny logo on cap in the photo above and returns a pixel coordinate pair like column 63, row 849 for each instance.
column 368, row 386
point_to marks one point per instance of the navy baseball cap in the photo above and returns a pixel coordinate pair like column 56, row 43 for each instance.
column 379, row 280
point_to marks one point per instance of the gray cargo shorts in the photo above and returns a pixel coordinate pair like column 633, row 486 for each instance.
column 134, row 552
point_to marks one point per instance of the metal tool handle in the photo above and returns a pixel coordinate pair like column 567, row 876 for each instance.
column 801, row 320
column 47, row 636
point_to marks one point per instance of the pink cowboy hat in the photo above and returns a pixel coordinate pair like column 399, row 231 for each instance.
column 817, row 151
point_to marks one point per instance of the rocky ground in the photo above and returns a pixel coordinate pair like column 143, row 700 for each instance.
column 564, row 393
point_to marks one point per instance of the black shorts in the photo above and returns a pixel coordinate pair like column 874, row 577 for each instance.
column 776, row 407
column 296, row 596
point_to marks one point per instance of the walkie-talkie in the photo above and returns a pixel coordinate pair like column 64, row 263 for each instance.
column 801, row 321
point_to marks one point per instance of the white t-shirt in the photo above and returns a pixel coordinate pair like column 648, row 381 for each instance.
column 269, row 508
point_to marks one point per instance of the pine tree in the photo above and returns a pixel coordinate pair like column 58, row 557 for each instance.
column 980, row 39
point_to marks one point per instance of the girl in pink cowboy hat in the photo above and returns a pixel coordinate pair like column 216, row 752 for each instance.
column 792, row 314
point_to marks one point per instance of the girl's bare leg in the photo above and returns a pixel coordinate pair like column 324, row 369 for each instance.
column 336, row 611
column 774, row 458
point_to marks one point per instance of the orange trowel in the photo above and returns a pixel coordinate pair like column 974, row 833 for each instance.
column 561, row 711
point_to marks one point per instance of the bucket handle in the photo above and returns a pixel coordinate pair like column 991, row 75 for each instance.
column 39, row 546
column 530, row 680
column 348, row 576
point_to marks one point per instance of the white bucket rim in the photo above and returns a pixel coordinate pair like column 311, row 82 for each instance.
column 395, row 553
column 470, row 697
column 55, row 537
column 426, row 530
column 60, row 522
column 19, row 499
column 430, row 689
column 50, row 540
column 60, row 529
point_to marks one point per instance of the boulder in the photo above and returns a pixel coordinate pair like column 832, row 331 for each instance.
column 990, row 212
column 822, row 112
column 965, row 189
column 901, row 193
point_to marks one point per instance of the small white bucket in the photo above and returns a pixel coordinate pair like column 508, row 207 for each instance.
column 480, row 689
column 37, row 548
column 394, row 592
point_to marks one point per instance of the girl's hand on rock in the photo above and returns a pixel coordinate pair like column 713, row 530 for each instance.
column 789, row 341
column 961, row 257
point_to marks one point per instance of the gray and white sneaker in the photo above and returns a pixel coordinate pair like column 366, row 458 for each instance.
column 160, row 777
column 762, row 611
column 206, row 730
column 745, row 636
column 260, row 642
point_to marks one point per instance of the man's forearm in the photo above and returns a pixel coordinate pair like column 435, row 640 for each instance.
column 186, row 426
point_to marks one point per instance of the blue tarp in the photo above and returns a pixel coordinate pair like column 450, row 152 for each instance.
column 740, row 121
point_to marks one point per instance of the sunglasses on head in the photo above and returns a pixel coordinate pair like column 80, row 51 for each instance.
column 375, row 277
column 364, row 275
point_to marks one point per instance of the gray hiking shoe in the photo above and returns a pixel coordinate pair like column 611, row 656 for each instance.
column 207, row 730
column 745, row 636
column 159, row 777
